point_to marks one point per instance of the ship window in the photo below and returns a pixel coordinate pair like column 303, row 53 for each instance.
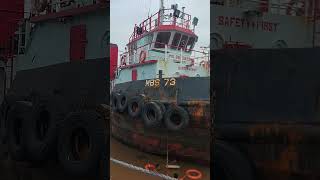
column 183, row 42
column 162, row 39
column 175, row 41
column 190, row 44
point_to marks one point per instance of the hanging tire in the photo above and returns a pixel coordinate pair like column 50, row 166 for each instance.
column 162, row 106
column 81, row 143
column 135, row 106
column 42, row 129
column 176, row 118
column 122, row 102
column 3, row 124
column 114, row 101
column 230, row 164
column 18, row 115
column 152, row 114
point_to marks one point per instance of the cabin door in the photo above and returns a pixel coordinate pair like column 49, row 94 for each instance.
column 78, row 42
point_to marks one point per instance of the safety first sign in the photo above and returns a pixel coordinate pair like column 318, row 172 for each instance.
column 244, row 23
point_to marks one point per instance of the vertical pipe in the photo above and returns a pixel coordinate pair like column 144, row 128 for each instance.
column 165, row 52
column 314, row 25
column 181, row 55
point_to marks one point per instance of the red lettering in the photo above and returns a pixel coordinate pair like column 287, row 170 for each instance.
column 245, row 23
column 237, row 22
column 270, row 27
column 265, row 26
column 253, row 24
column 242, row 22
column 226, row 21
column 220, row 20
column 232, row 20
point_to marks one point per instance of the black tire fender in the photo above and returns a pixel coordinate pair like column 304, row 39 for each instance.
column 135, row 106
column 162, row 107
column 152, row 114
column 114, row 101
column 3, row 121
column 42, row 128
column 122, row 99
column 176, row 118
column 18, row 114
column 230, row 164
column 94, row 130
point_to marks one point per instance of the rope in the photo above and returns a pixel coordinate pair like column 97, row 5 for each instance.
column 131, row 166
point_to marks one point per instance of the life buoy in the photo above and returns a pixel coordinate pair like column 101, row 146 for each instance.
column 123, row 60
column 290, row 10
column 142, row 57
column 193, row 174
column 264, row 5
column 150, row 167
column 40, row 5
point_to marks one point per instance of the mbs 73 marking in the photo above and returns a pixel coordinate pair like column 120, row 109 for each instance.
column 156, row 82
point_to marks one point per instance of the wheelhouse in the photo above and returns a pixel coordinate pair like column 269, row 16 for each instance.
column 166, row 37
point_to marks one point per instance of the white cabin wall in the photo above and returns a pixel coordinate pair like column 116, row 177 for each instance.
column 50, row 40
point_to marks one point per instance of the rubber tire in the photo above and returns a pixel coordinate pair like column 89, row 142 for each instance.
column 22, row 111
column 152, row 121
column 43, row 149
column 228, row 158
column 162, row 106
column 140, row 102
column 3, row 125
column 173, row 109
column 96, row 128
column 114, row 100
column 122, row 107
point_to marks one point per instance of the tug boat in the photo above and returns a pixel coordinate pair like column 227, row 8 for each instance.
column 160, row 89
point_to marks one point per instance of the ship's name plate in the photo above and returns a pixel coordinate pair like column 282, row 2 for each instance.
column 156, row 82
column 240, row 22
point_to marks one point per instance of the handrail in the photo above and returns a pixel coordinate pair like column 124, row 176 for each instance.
column 57, row 6
column 153, row 22
column 133, row 55
column 274, row 8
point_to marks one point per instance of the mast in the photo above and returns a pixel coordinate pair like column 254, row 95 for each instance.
column 161, row 11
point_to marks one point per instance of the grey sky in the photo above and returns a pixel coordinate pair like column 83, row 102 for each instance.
column 125, row 13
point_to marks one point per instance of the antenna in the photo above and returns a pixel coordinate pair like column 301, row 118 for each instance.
column 161, row 11
column 161, row 5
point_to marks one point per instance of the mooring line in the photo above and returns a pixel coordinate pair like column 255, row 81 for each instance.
column 131, row 166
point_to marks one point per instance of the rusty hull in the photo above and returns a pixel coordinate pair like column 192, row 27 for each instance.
column 189, row 144
column 266, row 104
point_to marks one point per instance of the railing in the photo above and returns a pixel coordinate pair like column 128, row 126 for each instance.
column 195, row 57
column 298, row 8
column 162, row 17
column 54, row 6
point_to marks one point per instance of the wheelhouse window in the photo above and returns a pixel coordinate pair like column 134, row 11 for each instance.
column 176, row 40
column 162, row 39
column 183, row 42
column 190, row 44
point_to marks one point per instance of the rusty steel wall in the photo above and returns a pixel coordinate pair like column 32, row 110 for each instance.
column 267, row 105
